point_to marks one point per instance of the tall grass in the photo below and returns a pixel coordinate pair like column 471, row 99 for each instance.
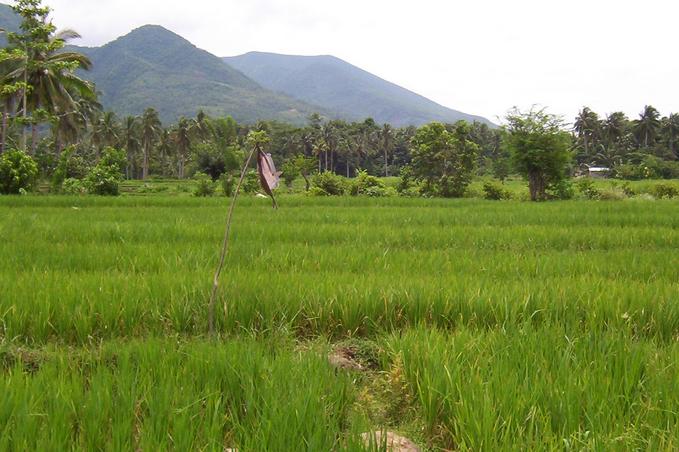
column 170, row 395
column 515, row 326
column 76, row 269
column 542, row 389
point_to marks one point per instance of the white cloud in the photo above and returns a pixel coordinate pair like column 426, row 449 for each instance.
column 478, row 56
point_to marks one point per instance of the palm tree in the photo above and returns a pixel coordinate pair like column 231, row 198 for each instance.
column 131, row 141
column 50, row 72
column 387, row 143
column 150, row 130
column 182, row 139
column 106, row 131
column 670, row 130
column 69, row 127
column 587, row 126
column 647, row 126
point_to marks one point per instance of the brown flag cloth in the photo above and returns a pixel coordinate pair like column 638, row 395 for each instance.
column 269, row 178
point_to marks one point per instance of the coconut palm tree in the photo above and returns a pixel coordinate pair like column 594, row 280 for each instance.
column 647, row 126
column 387, row 144
column 130, row 140
column 587, row 128
column 106, row 131
column 55, row 87
column 182, row 140
column 150, row 131
column 670, row 131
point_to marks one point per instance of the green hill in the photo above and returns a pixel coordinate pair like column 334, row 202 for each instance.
column 9, row 21
column 343, row 88
column 153, row 67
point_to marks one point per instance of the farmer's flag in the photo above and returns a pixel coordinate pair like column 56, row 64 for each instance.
column 269, row 178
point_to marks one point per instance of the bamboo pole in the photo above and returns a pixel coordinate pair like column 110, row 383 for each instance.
column 225, row 244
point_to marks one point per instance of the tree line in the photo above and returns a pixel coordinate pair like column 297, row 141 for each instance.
column 53, row 124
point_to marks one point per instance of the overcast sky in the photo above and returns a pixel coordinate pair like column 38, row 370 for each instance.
column 477, row 56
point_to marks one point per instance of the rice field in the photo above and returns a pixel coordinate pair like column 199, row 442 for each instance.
column 480, row 325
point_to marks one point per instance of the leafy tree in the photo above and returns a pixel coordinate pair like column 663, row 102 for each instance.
column 306, row 167
column 540, row 149
column 211, row 160
column 443, row 159
column 18, row 171
column 290, row 172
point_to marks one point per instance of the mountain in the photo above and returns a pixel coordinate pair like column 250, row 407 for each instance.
column 153, row 67
column 343, row 88
column 9, row 21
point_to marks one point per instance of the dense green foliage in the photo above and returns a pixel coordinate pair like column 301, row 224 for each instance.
column 18, row 172
column 443, row 160
column 540, row 150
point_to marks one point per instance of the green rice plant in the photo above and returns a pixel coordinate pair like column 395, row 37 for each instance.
column 542, row 388
column 171, row 394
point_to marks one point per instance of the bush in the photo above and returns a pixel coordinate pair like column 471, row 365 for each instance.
column 587, row 189
column 562, row 190
column 228, row 184
column 328, row 184
column 73, row 186
column 204, row 185
column 290, row 173
column 211, row 160
column 495, row 192
column 18, row 171
column 367, row 185
column 104, row 179
column 612, row 195
column 662, row 191
column 251, row 182
column 69, row 166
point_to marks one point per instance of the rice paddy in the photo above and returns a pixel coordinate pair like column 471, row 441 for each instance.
column 489, row 326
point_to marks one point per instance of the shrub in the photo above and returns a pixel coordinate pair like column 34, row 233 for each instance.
column 69, row 166
column 251, row 182
column 18, row 171
column 330, row 184
column 290, row 173
column 562, row 190
column 228, row 184
column 495, row 192
column 73, row 186
column 104, row 179
column 661, row 191
column 612, row 195
column 367, row 185
column 204, row 185
column 587, row 189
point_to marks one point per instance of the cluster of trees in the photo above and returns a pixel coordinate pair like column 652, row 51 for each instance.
column 625, row 145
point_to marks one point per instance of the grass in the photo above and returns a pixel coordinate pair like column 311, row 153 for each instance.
column 498, row 325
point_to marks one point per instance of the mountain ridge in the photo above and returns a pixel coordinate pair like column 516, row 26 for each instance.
column 155, row 67
column 152, row 66
column 343, row 87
